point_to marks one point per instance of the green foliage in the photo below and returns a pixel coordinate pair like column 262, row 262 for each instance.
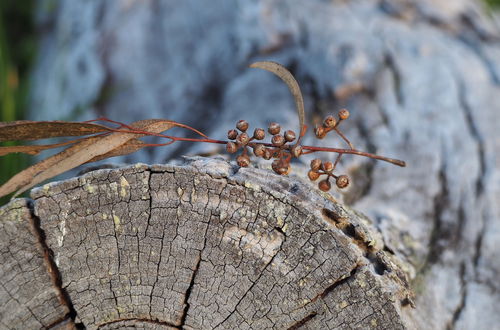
column 493, row 3
column 17, row 49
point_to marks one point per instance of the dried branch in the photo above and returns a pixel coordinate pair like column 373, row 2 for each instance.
column 99, row 142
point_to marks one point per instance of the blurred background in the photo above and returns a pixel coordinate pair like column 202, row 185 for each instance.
column 421, row 79
column 17, row 53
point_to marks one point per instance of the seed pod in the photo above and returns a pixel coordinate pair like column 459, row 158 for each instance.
column 274, row 128
column 232, row 134
column 330, row 122
column 324, row 185
column 259, row 134
column 243, row 138
column 278, row 140
column 290, row 136
column 259, row 150
column 231, row 147
column 296, row 151
column 313, row 175
column 342, row 181
column 316, row 164
column 243, row 160
column 268, row 154
column 280, row 167
column 320, row 132
column 242, row 125
column 327, row 166
column 343, row 114
column 276, row 165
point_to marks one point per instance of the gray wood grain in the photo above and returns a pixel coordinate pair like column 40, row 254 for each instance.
column 28, row 299
column 209, row 246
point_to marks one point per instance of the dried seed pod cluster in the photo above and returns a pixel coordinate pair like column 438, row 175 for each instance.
column 319, row 168
column 330, row 123
column 280, row 147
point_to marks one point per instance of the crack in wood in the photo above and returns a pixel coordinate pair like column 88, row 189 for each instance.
column 323, row 294
column 52, row 269
column 188, row 294
column 142, row 320
column 478, row 244
column 463, row 299
column 338, row 283
column 161, row 242
column 302, row 322
column 391, row 65
column 186, row 303
column 475, row 134
column 369, row 252
column 441, row 202
column 481, row 178
column 253, row 284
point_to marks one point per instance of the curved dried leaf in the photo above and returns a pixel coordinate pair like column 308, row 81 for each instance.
column 290, row 81
column 125, row 126
column 28, row 176
column 128, row 148
column 78, row 154
column 34, row 130
column 34, row 149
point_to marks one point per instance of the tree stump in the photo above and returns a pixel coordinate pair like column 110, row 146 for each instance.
column 206, row 245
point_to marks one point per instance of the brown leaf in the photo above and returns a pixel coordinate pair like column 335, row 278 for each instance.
column 34, row 149
column 128, row 148
column 35, row 130
column 78, row 154
column 290, row 81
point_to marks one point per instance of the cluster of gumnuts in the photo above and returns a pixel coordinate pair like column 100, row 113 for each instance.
column 330, row 123
column 282, row 149
column 318, row 168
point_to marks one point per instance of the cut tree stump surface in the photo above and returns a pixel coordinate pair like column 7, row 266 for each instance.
column 28, row 297
column 201, row 246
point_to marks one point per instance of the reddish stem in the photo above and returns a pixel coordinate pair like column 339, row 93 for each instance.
column 336, row 162
column 310, row 148
column 343, row 137
column 208, row 140
column 357, row 152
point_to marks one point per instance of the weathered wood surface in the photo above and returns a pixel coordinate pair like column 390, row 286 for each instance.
column 420, row 77
column 203, row 246
column 29, row 297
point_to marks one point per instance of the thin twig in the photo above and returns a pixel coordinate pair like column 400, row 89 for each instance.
column 344, row 137
column 357, row 152
column 336, row 161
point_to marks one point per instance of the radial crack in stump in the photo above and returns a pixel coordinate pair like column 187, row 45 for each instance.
column 30, row 297
column 202, row 246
